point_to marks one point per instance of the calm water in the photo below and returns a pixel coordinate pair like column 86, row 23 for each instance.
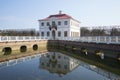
column 52, row 66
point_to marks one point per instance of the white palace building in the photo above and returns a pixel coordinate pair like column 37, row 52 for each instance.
column 59, row 26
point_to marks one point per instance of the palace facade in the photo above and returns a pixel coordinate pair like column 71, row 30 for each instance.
column 59, row 26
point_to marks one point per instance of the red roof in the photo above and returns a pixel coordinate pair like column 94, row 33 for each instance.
column 58, row 16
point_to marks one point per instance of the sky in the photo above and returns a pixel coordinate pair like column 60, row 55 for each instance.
column 24, row 14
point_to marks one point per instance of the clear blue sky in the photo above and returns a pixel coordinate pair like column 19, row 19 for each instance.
column 22, row 14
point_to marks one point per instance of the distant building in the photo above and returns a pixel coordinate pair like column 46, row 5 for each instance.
column 66, row 26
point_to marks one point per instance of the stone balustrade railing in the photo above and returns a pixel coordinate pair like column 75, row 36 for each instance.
column 20, row 38
column 95, row 39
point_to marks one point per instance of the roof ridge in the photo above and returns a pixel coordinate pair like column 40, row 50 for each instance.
column 60, row 16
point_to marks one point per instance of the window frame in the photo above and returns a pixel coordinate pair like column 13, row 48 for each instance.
column 59, row 35
column 42, row 34
column 47, row 23
column 65, row 22
column 42, row 23
column 48, row 33
column 59, row 23
column 65, row 33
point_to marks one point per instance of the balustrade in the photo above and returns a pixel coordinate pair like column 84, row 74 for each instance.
column 95, row 39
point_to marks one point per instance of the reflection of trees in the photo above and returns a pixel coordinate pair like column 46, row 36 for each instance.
column 60, row 64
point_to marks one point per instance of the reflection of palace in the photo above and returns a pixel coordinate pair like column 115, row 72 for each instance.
column 62, row 65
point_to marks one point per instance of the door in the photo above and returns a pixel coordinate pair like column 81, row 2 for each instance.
column 53, row 34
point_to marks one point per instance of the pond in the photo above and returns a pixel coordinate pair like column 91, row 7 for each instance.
column 52, row 66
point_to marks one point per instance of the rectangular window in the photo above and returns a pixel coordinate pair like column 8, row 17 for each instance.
column 59, row 23
column 59, row 34
column 65, row 34
column 47, row 23
column 42, row 24
column 53, row 22
column 42, row 34
column 48, row 33
column 65, row 22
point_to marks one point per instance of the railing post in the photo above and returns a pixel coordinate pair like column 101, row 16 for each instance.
column 89, row 39
column 30, row 38
column 23, row 38
column 16, row 38
column 7, row 38
column 110, row 39
column 98, row 39
column 116, row 39
column 34, row 37
column 81, row 39
column 105, row 39
column 0, row 39
column 39, row 38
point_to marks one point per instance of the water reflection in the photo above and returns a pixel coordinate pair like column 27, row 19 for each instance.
column 18, row 61
column 107, row 74
column 45, row 66
column 56, row 62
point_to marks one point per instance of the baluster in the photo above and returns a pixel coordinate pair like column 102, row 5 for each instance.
column 110, row 40
column 0, row 39
column 116, row 39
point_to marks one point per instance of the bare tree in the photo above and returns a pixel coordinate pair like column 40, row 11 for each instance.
column 85, row 32
column 114, row 32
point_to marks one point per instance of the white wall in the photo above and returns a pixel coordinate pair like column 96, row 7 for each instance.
column 74, row 26
column 61, row 27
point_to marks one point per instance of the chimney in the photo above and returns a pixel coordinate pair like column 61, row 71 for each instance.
column 60, row 12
